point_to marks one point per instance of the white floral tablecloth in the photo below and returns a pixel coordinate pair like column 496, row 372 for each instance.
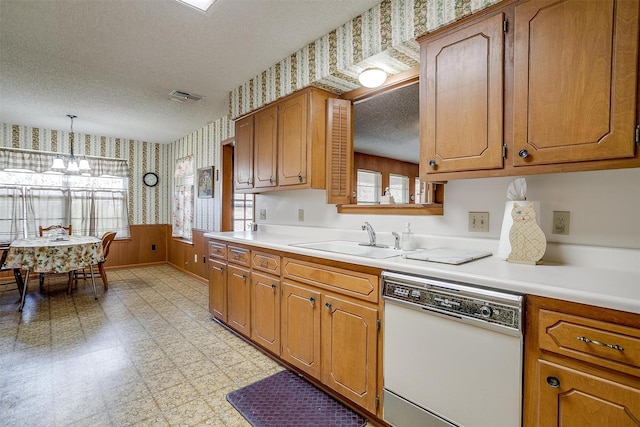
column 48, row 255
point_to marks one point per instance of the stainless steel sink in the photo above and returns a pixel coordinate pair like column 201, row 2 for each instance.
column 351, row 248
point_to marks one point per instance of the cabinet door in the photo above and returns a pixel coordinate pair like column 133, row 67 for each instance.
column 238, row 299
column 340, row 160
column 243, row 154
column 292, row 140
column 301, row 328
column 349, row 348
column 571, row 398
column 218, row 289
column 462, row 99
column 575, row 77
column 265, row 311
column 264, row 148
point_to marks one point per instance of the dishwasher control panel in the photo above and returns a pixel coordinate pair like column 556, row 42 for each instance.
column 455, row 299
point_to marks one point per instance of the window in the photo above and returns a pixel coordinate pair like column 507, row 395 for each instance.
column 32, row 196
column 399, row 188
column 182, row 217
column 369, row 185
column 242, row 212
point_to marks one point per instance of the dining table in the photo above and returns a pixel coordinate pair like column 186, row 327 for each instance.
column 53, row 254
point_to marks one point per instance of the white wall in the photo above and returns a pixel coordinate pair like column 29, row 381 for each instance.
column 604, row 206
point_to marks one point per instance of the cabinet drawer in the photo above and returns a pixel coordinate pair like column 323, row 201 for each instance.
column 238, row 255
column 348, row 282
column 269, row 263
column 217, row 250
column 602, row 343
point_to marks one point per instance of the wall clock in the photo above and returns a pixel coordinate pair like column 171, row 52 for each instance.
column 150, row 179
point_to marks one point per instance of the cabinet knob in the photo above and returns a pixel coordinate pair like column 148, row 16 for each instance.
column 432, row 163
column 299, row 178
column 523, row 153
column 327, row 305
column 553, row 382
column 244, row 277
column 312, row 300
column 271, row 180
column 273, row 286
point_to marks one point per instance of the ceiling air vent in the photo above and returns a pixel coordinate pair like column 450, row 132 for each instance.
column 183, row 96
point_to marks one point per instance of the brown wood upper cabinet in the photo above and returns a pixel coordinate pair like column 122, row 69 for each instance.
column 282, row 146
column 462, row 98
column 575, row 78
column 538, row 86
column 243, row 154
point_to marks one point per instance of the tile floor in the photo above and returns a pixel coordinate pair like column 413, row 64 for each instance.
column 146, row 353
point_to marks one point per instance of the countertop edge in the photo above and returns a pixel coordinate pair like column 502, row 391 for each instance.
column 618, row 290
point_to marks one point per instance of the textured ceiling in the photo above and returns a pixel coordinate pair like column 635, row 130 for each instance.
column 388, row 125
column 113, row 62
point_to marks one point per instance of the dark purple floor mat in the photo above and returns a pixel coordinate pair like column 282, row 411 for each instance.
column 288, row 400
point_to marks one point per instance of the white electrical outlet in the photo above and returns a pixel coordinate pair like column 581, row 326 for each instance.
column 263, row 214
column 560, row 222
column 479, row 221
column 301, row 215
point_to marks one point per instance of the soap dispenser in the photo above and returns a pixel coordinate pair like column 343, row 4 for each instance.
column 408, row 243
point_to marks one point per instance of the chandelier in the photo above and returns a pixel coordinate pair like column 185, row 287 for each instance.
column 73, row 165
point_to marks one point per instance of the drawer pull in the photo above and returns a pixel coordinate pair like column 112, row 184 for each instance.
column 264, row 263
column 553, row 382
column 602, row 344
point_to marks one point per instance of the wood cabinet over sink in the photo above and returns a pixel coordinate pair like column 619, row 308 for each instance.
column 564, row 99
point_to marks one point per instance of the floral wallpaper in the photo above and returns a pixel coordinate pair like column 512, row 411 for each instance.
column 384, row 36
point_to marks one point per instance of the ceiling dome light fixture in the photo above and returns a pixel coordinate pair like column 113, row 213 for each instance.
column 372, row 77
column 72, row 166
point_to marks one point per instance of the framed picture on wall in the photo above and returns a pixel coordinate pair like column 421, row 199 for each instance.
column 205, row 182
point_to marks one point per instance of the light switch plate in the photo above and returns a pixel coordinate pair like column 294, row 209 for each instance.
column 301, row 215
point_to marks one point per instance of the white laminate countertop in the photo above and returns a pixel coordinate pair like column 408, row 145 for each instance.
column 601, row 284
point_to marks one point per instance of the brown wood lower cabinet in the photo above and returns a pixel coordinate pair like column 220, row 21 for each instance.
column 265, row 311
column 582, row 365
column 572, row 398
column 321, row 319
column 301, row 327
column 218, row 289
column 238, row 299
column 349, row 349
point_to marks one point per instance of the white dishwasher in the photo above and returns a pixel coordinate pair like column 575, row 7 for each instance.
column 453, row 354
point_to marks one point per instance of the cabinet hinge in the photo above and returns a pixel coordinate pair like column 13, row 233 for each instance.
column 505, row 26
column 377, row 324
column 377, row 401
column 504, row 151
column 638, row 135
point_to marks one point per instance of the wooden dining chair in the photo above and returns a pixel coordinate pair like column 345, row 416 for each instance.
column 42, row 229
column 4, row 247
column 107, row 238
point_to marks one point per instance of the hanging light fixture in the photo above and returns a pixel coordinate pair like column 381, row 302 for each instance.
column 372, row 77
column 73, row 165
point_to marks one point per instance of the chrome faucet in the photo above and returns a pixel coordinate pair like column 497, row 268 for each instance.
column 372, row 233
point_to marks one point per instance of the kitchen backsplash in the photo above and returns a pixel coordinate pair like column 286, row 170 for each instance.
column 604, row 208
